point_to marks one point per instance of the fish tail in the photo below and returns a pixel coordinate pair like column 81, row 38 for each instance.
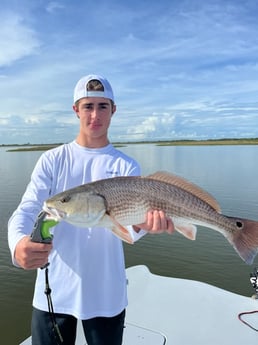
column 245, row 240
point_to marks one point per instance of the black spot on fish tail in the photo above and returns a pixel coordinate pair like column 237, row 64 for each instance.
column 239, row 224
column 245, row 239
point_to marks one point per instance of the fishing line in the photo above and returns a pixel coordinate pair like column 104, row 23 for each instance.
column 254, row 282
column 56, row 330
column 245, row 322
column 41, row 234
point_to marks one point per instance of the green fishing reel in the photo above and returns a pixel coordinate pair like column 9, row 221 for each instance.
column 41, row 230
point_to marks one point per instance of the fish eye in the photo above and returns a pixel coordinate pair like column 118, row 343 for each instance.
column 239, row 224
column 65, row 199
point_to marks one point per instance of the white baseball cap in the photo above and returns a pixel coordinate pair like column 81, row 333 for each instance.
column 81, row 91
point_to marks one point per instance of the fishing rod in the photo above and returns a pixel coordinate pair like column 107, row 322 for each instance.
column 41, row 234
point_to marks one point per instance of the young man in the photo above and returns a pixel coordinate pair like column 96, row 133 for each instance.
column 87, row 270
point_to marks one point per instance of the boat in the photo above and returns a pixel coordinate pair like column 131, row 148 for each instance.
column 175, row 311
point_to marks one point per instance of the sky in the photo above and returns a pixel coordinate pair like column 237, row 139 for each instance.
column 183, row 69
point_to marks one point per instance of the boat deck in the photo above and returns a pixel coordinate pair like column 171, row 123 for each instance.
column 175, row 311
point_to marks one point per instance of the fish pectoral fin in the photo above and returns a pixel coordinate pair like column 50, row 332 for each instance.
column 120, row 231
column 187, row 230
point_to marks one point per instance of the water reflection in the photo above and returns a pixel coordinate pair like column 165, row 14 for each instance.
column 227, row 172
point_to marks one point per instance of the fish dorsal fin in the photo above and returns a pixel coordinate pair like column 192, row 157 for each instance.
column 188, row 186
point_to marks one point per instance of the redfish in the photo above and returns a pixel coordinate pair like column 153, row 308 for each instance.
column 118, row 202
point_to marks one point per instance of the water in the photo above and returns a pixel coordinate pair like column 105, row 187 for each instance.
column 227, row 172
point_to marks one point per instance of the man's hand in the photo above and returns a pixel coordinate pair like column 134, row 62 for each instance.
column 31, row 255
column 156, row 222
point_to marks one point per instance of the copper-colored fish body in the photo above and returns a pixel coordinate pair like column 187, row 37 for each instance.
column 122, row 201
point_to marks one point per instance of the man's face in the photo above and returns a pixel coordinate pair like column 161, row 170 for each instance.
column 95, row 115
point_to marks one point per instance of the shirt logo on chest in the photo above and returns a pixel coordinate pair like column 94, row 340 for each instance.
column 111, row 173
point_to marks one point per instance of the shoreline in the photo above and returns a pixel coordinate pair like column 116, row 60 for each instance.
column 209, row 142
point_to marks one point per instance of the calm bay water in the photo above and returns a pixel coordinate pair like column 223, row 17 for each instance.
column 229, row 173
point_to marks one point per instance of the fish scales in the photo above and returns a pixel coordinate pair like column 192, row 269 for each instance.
column 125, row 196
column 122, row 201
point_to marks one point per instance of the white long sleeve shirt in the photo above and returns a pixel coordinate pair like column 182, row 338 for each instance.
column 86, row 271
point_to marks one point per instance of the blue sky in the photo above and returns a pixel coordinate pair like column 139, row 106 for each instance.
column 183, row 69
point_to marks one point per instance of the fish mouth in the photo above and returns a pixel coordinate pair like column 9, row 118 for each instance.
column 54, row 213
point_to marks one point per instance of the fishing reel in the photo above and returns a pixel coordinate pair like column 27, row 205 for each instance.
column 254, row 281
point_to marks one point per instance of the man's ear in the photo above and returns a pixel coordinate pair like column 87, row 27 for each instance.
column 113, row 109
column 76, row 110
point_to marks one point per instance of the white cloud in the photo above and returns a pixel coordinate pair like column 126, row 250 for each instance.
column 178, row 68
column 54, row 6
column 157, row 125
column 17, row 39
column 32, row 120
column 3, row 121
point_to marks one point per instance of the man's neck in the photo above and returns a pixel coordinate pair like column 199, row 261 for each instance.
column 92, row 142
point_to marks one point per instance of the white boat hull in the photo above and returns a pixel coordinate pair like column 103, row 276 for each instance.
column 175, row 311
